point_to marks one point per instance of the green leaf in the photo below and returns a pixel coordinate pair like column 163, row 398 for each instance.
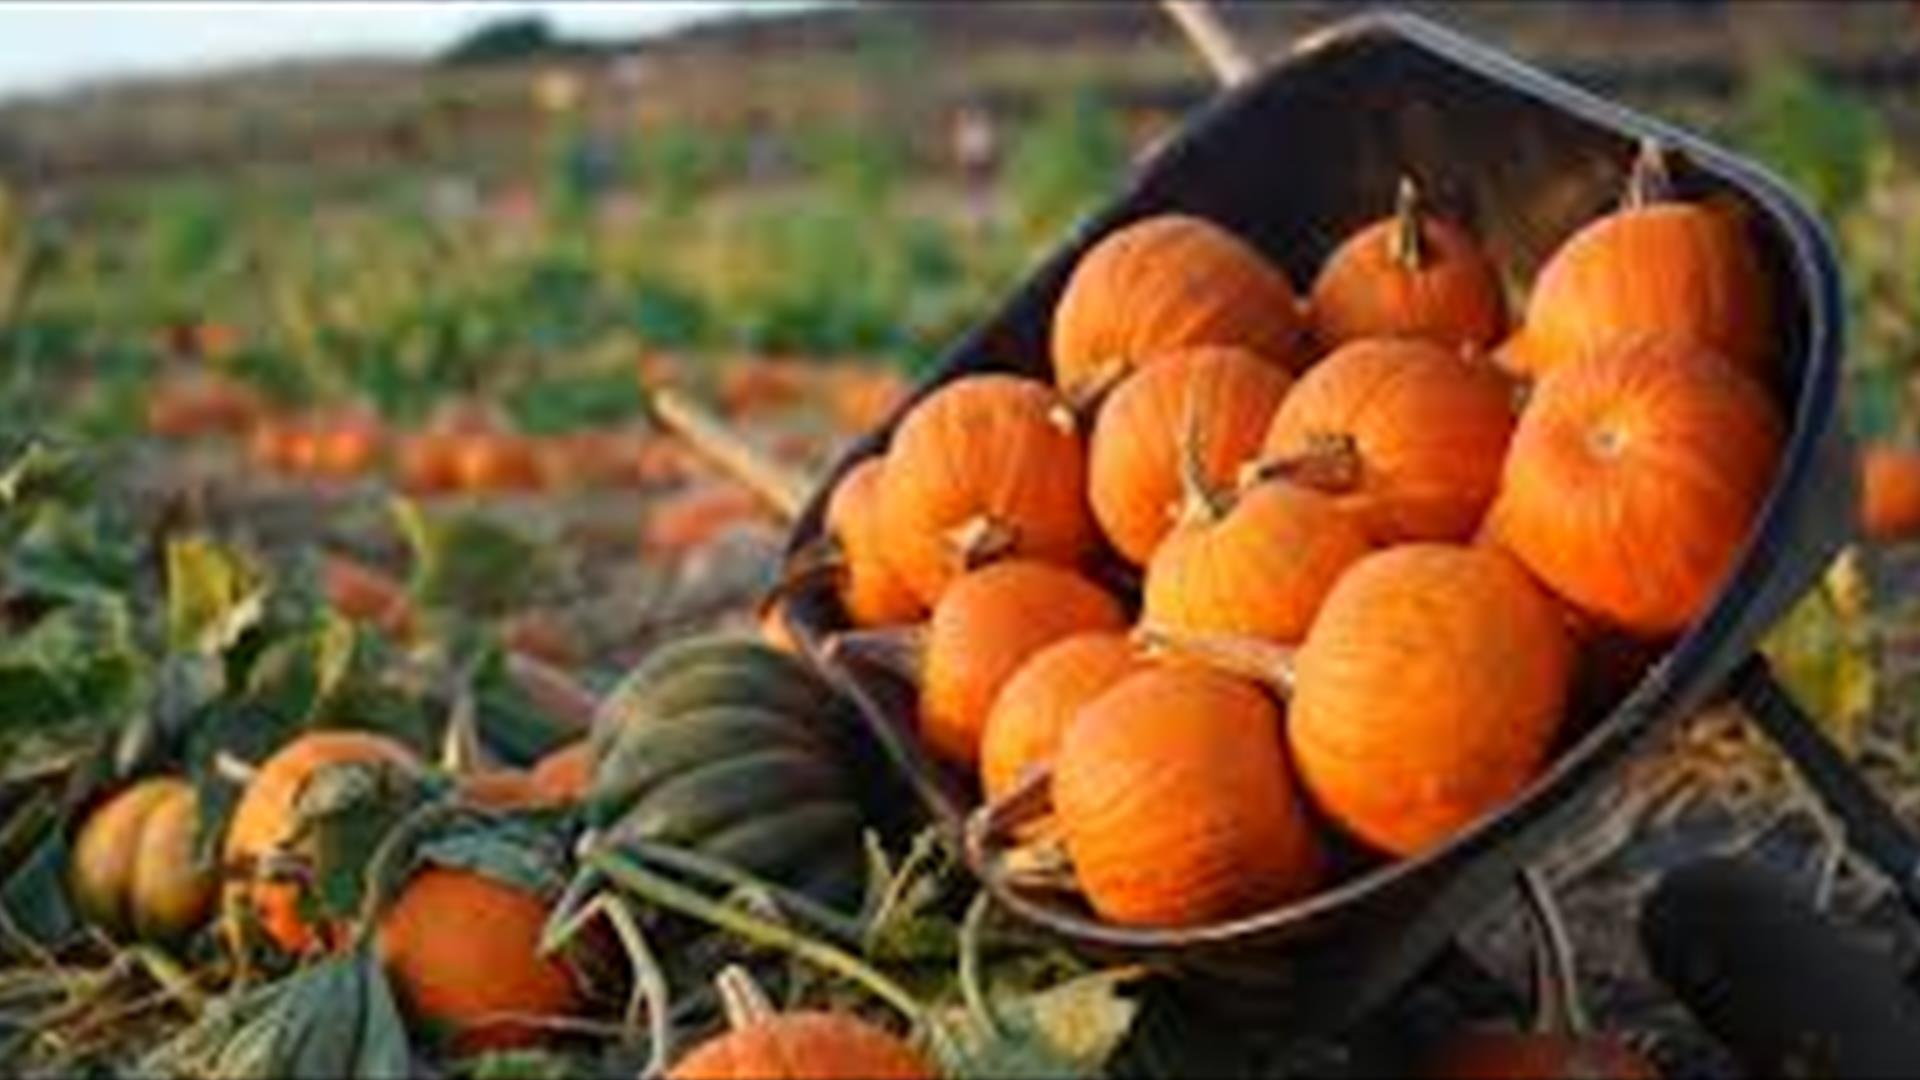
column 1068, row 1030
column 467, row 562
column 296, row 676
column 521, row 1065
column 183, row 686
column 1825, row 659
column 213, row 595
column 34, row 897
column 513, row 851
column 383, row 1050
column 343, row 813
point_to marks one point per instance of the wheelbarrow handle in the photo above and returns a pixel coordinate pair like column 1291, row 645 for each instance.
column 1872, row 828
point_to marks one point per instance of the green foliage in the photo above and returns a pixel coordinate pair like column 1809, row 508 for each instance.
column 514, row 38
column 1061, row 162
column 1819, row 138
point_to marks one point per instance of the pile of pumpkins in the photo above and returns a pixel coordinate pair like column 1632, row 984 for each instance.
column 1383, row 539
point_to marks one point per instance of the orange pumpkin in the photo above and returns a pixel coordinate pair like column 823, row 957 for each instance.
column 1168, row 283
column 591, row 459
column 1409, row 435
column 1176, row 802
column 693, row 518
column 1634, row 478
column 346, row 444
column 1409, row 275
column 1889, row 479
column 364, row 594
column 988, row 466
column 1428, row 692
column 494, row 462
column 563, row 775
column 463, row 951
column 983, row 629
column 751, row 386
column 134, row 871
column 1654, row 266
column 1495, row 1055
column 1217, row 398
column 810, row 1045
column 872, row 593
column 202, row 403
column 1032, row 710
column 264, row 822
column 423, row 464
column 270, row 447
column 1259, row 568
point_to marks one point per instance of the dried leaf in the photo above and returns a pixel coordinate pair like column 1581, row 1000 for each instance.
column 1822, row 657
column 1069, row 1030
column 213, row 596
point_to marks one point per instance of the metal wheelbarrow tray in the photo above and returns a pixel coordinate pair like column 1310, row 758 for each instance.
column 1292, row 160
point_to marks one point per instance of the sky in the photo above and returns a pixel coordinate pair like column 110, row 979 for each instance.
column 48, row 45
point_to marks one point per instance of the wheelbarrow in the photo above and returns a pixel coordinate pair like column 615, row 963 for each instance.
column 1292, row 157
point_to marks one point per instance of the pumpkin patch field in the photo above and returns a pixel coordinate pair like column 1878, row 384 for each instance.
column 611, row 596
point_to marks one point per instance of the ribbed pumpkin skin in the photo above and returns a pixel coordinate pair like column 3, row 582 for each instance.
column 1177, row 804
column 1428, row 692
column 1134, row 459
column 264, row 820
column 1033, row 709
column 463, row 948
column 1526, row 1056
column 992, row 448
column 871, row 592
column 988, row 624
column 133, row 870
column 1667, row 268
column 803, row 1046
column 1451, row 298
column 1430, row 428
column 1166, row 283
column 1889, row 493
column 1634, row 479
column 1262, row 570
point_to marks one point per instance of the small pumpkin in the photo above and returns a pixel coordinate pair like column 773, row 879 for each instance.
column 984, row 627
column 134, row 872
column 872, row 593
column 1634, row 478
column 272, row 445
column 1658, row 266
column 494, row 462
column 1259, row 565
column 1409, row 275
column 1033, row 709
column 986, row 467
column 367, row 595
column 563, row 775
column 346, row 444
column 423, row 463
column 1409, row 436
column 1166, row 283
column 732, row 748
column 1176, row 802
column 1516, row 1055
column 1134, row 470
column 752, row 386
column 1889, row 479
column 202, row 403
column 762, row 1044
column 1429, row 691
column 264, row 822
column 463, row 949
column 693, row 518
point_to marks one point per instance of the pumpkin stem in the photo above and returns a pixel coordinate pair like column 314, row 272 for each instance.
column 1204, row 502
column 1265, row 662
column 899, row 650
column 741, row 998
column 1084, row 397
column 1649, row 182
column 990, row 828
column 1409, row 244
column 234, row 770
column 1556, row 987
column 1330, row 464
column 981, row 539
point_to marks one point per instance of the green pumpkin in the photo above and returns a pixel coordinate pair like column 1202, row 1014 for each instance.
column 729, row 748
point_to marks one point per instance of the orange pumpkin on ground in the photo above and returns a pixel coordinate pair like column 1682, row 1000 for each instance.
column 750, row 386
column 1033, row 709
column 1634, row 478
column 1166, row 283
column 346, row 444
column 463, row 951
column 364, row 594
column 1409, row 435
column 1514, row 1055
column 1889, row 479
column 264, row 821
column 134, row 872
column 423, row 464
column 276, row 443
column 1259, row 567
column 591, row 460
column 1177, row 804
column 1218, row 398
column 810, row 1045
column 202, row 403
column 988, row 466
column 695, row 517
column 988, row 624
column 563, row 775
column 1428, row 692
column 872, row 593
column 495, row 462
column 1656, row 266
column 1409, row 275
